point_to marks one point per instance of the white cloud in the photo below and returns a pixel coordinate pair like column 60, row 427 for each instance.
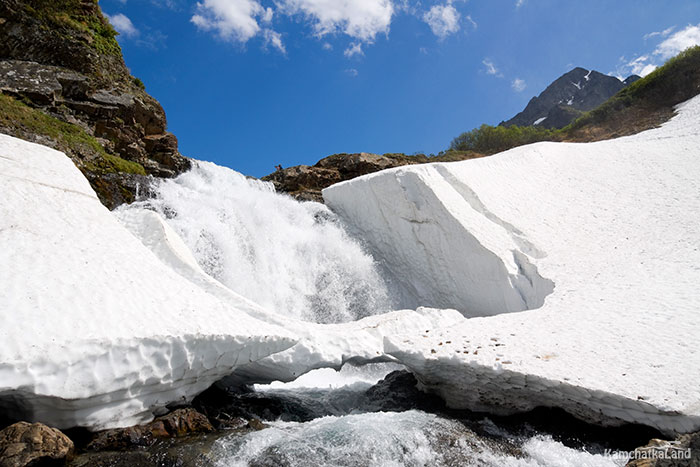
column 669, row 47
column 491, row 68
column 230, row 19
column 267, row 15
column 327, row 46
column 274, row 39
column 678, row 42
column 471, row 21
column 442, row 19
column 639, row 66
column 354, row 49
column 519, row 3
column 518, row 84
column 359, row 19
column 352, row 72
column 123, row 25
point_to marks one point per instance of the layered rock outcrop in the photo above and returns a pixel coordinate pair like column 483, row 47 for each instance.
column 62, row 59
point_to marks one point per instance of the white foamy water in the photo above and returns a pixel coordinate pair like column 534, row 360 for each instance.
column 292, row 258
column 411, row 438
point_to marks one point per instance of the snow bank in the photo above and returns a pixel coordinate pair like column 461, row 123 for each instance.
column 599, row 242
column 96, row 330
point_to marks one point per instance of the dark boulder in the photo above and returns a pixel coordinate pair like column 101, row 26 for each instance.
column 179, row 423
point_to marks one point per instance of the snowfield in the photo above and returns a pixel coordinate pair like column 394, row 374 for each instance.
column 578, row 263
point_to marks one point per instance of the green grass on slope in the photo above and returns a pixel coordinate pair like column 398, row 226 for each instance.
column 68, row 137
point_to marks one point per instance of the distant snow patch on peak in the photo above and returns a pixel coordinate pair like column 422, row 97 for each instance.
column 539, row 120
column 578, row 85
column 588, row 75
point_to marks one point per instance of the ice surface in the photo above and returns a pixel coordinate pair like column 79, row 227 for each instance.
column 599, row 242
column 96, row 330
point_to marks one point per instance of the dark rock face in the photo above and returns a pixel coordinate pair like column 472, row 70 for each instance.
column 61, row 59
column 568, row 97
column 398, row 391
column 24, row 444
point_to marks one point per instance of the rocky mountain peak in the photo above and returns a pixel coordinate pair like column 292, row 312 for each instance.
column 573, row 93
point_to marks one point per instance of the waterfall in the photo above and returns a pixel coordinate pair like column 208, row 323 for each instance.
column 292, row 258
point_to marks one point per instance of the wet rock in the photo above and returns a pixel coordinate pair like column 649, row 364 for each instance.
column 179, row 423
column 118, row 188
column 684, row 451
column 24, row 444
column 194, row 451
column 399, row 391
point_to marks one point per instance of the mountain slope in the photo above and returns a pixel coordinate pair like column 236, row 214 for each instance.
column 566, row 99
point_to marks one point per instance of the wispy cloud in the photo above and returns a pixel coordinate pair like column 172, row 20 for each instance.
column 354, row 49
column 442, row 19
column 663, row 33
column 491, row 68
column 352, row 72
column 274, row 39
column 519, row 3
column 123, row 25
column 518, row 85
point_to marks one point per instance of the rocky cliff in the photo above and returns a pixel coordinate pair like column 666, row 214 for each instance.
column 63, row 83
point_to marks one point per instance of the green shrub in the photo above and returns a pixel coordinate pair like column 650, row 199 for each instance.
column 488, row 139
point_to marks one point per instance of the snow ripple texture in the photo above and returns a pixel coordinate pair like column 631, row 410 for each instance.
column 289, row 257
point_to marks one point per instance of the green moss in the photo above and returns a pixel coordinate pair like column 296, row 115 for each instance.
column 68, row 137
column 83, row 16
column 139, row 84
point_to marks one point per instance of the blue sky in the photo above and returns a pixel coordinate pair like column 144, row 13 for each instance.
column 254, row 83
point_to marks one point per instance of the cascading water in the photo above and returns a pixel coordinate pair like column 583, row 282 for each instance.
column 292, row 258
